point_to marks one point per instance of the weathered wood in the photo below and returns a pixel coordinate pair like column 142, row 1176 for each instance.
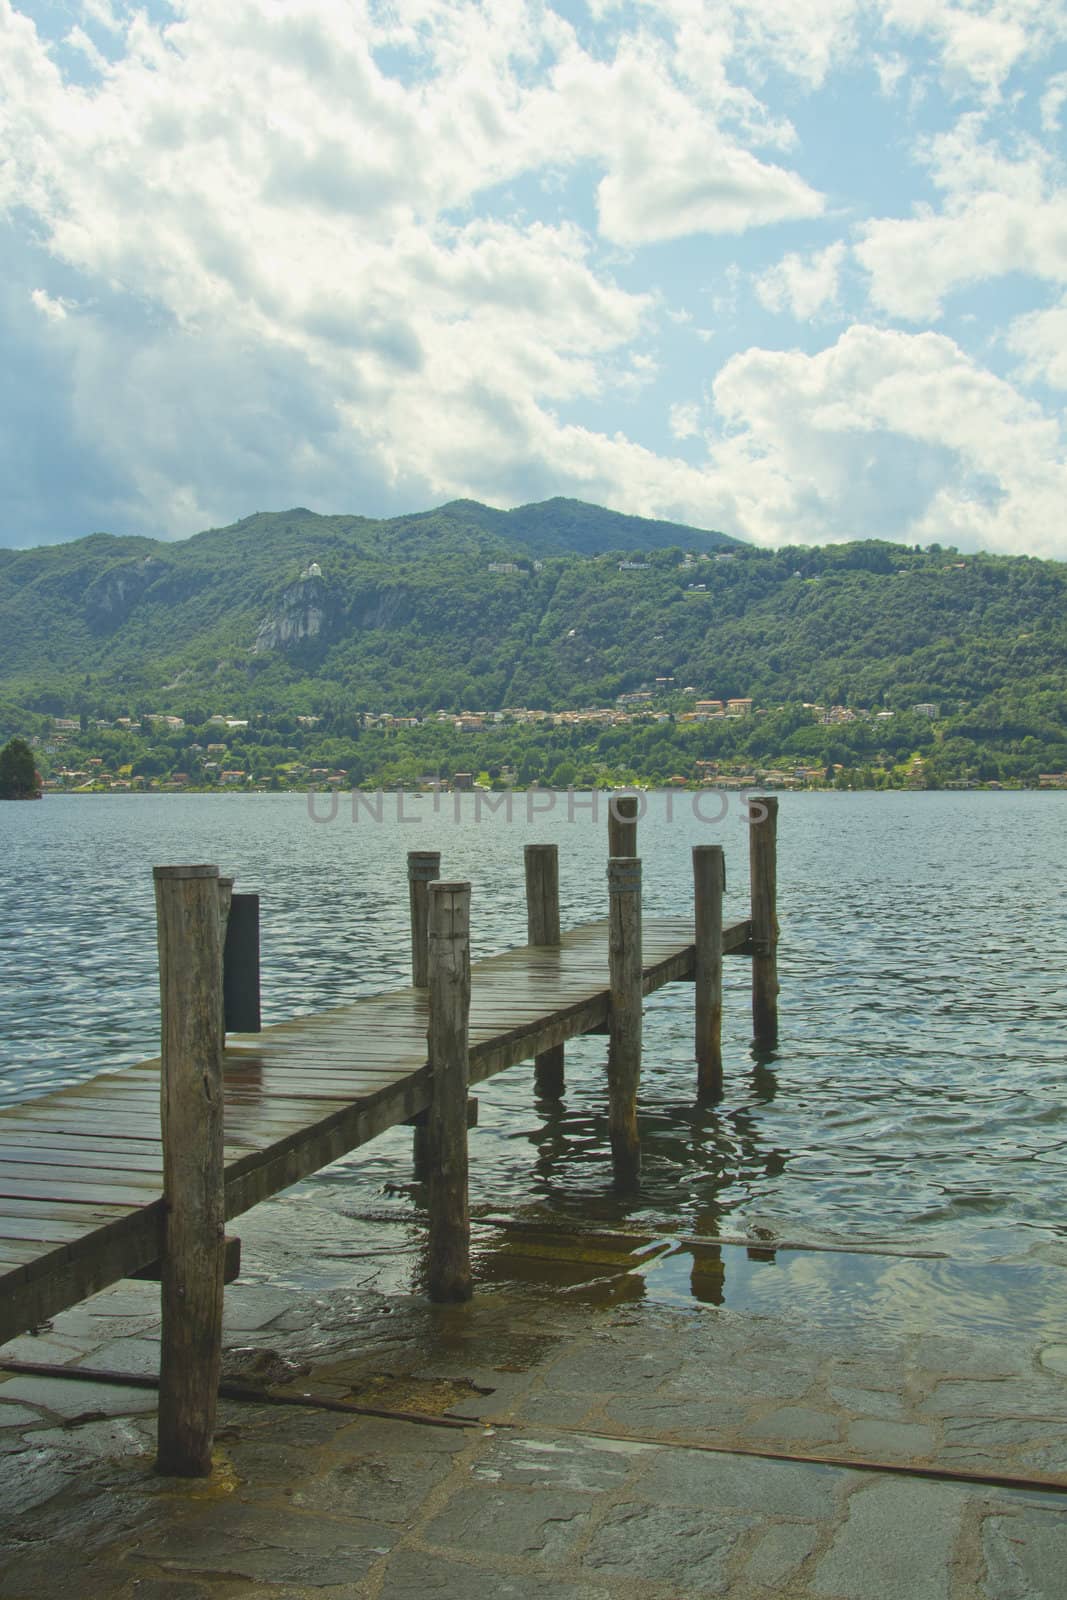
column 543, row 928
column 763, row 874
column 231, row 1269
column 298, row 1096
column 624, row 1047
column 225, row 902
column 240, row 965
column 622, row 825
column 424, row 866
column 421, row 1142
column 708, row 883
column 449, row 1277
column 193, row 1254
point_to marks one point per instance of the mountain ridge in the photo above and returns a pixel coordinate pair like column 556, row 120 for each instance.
column 465, row 606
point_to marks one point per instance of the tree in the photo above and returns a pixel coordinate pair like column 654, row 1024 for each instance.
column 18, row 773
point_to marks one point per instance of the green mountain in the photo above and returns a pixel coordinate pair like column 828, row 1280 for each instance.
column 228, row 610
column 555, row 605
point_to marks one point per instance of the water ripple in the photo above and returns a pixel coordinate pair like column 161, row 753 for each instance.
column 917, row 1094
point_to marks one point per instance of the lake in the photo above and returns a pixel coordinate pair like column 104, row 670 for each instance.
column 917, row 1097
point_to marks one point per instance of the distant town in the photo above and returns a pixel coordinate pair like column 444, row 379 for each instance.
column 262, row 753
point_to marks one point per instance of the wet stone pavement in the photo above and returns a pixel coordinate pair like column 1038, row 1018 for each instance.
column 622, row 1449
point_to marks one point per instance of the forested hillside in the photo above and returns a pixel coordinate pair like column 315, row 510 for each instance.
column 553, row 607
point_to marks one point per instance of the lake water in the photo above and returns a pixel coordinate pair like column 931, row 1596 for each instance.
column 917, row 1097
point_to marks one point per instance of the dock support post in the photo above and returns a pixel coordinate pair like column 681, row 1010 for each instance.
column 225, row 901
column 450, row 999
column 622, row 825
column 424, row 866
column 193, row 1246
column 240, row 964
column 709, row 879
column 542, row 927
column 624, row 1045
column 763, row 873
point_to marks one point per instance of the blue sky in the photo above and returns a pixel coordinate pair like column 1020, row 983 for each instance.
column 795, row 269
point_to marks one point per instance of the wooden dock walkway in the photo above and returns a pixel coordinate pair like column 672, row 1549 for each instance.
column 81, row 1169
column 94, row 1188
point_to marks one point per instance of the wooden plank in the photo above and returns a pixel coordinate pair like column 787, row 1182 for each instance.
column 45, row 1230
column 42, row 1187
column 41, row 1150
column 71, row 1272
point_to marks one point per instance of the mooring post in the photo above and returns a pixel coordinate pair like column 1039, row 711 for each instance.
column 763, row 873
column 542, row 927
column 622, row 825
column 424, row 866
column 709, row 880
column 225, row 901
column 450, row 1000
column 240, row 965
column 193, row 1245
column 624, row 1022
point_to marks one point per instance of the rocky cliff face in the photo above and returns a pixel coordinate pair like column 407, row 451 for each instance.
column 308, row 609
column 112, row 596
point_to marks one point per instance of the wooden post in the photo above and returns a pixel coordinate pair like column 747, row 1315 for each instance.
column 240, row 965
column 624, row 1047
column 193, row 1245
column 622, row 825
column 424, row 866
column 542, row 927
column 450, row 999
column 709, row 880
column 225, row 901
column 763, row 872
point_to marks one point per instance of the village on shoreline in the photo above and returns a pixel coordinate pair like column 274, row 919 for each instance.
column 516, row 748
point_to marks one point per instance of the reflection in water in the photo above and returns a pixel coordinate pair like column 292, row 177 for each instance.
column 835, row 1288
column 764, row 1080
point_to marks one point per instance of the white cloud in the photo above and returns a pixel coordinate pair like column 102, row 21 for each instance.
column 978, row 42
column 252, row 176
column 717, row 189
column 981, row 43
column 301, row 240
column 804, row 38
column 1001, row 214
column 1040, row 338
column 1052, row 102
column 101, row 11
column 52, row 310
column 79, row 40
column 803, row 285
column 685, row 420
column 891, row 71
column 887, row 434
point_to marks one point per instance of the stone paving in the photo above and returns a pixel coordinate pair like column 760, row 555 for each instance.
column 584, row 1471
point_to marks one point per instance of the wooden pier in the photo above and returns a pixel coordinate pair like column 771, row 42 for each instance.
column 144, row 1166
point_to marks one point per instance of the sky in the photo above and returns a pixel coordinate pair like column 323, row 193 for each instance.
column 791, row 269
